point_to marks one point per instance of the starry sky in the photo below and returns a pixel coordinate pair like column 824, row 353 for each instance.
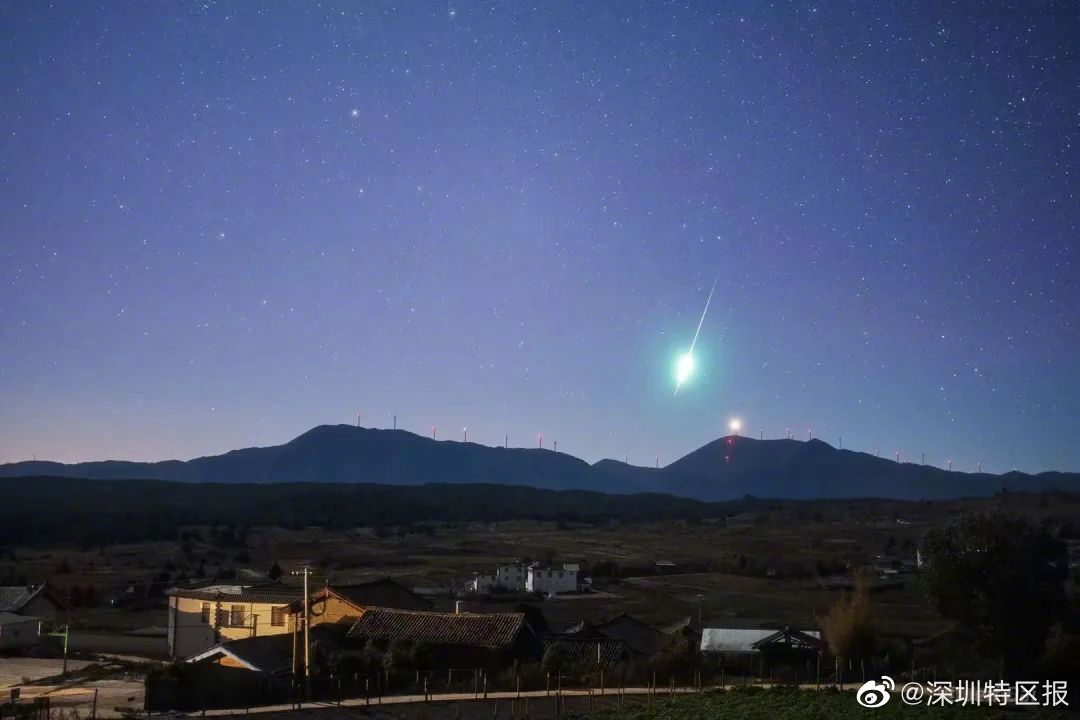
column 224, row 224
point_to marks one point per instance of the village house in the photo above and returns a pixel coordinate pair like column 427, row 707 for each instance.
column 549, row 581
column 200, row 618
column 454, row 640
column 640, row 637
column 509, row 577
column 36, row 600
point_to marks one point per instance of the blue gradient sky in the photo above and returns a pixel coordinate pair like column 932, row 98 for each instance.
column 224, row 225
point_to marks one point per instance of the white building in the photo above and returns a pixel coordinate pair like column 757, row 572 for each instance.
column 549, row 580
column 509, row 577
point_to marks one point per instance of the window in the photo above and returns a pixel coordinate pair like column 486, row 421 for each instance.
column 237, row 619
column 277, row 616
column 206, row 613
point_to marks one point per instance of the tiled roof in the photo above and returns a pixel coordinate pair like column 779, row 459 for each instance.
column 14, row 598
column 469, row 629
column 585, row 653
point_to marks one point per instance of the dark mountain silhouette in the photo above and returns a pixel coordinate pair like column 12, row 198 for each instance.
column 728, row 468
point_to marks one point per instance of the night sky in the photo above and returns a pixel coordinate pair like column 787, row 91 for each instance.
column 221, row 226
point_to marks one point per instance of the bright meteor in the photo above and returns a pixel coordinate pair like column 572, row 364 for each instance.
column 686, row 364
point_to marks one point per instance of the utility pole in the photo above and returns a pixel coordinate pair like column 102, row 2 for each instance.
column 306, row 572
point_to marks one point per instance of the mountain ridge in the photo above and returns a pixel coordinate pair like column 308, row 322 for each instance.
column 727, row 468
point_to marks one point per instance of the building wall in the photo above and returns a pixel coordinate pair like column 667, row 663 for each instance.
column 545, row 580
column 41, row 607
column 190, row 634
column 511, row 577
column 19, row 634
column 332, row 610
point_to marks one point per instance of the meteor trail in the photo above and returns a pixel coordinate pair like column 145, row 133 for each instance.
column 686, row 362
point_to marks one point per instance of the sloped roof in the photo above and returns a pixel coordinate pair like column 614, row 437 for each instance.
column 740, row 640
column 384, row 592
column 639, row 636
column 265, row 653
column 468, row 629
column 579, row 652
column 796, row 638
column 15, row 598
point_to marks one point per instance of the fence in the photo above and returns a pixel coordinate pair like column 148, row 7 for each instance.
column 68, row 704
column 211, row 686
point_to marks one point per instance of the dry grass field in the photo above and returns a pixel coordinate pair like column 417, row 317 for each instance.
column 760, row 568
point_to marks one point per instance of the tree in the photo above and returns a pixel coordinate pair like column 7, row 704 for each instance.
column 849, row 626
column 275, row 571
column 555, row 658
column 1003, row 578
